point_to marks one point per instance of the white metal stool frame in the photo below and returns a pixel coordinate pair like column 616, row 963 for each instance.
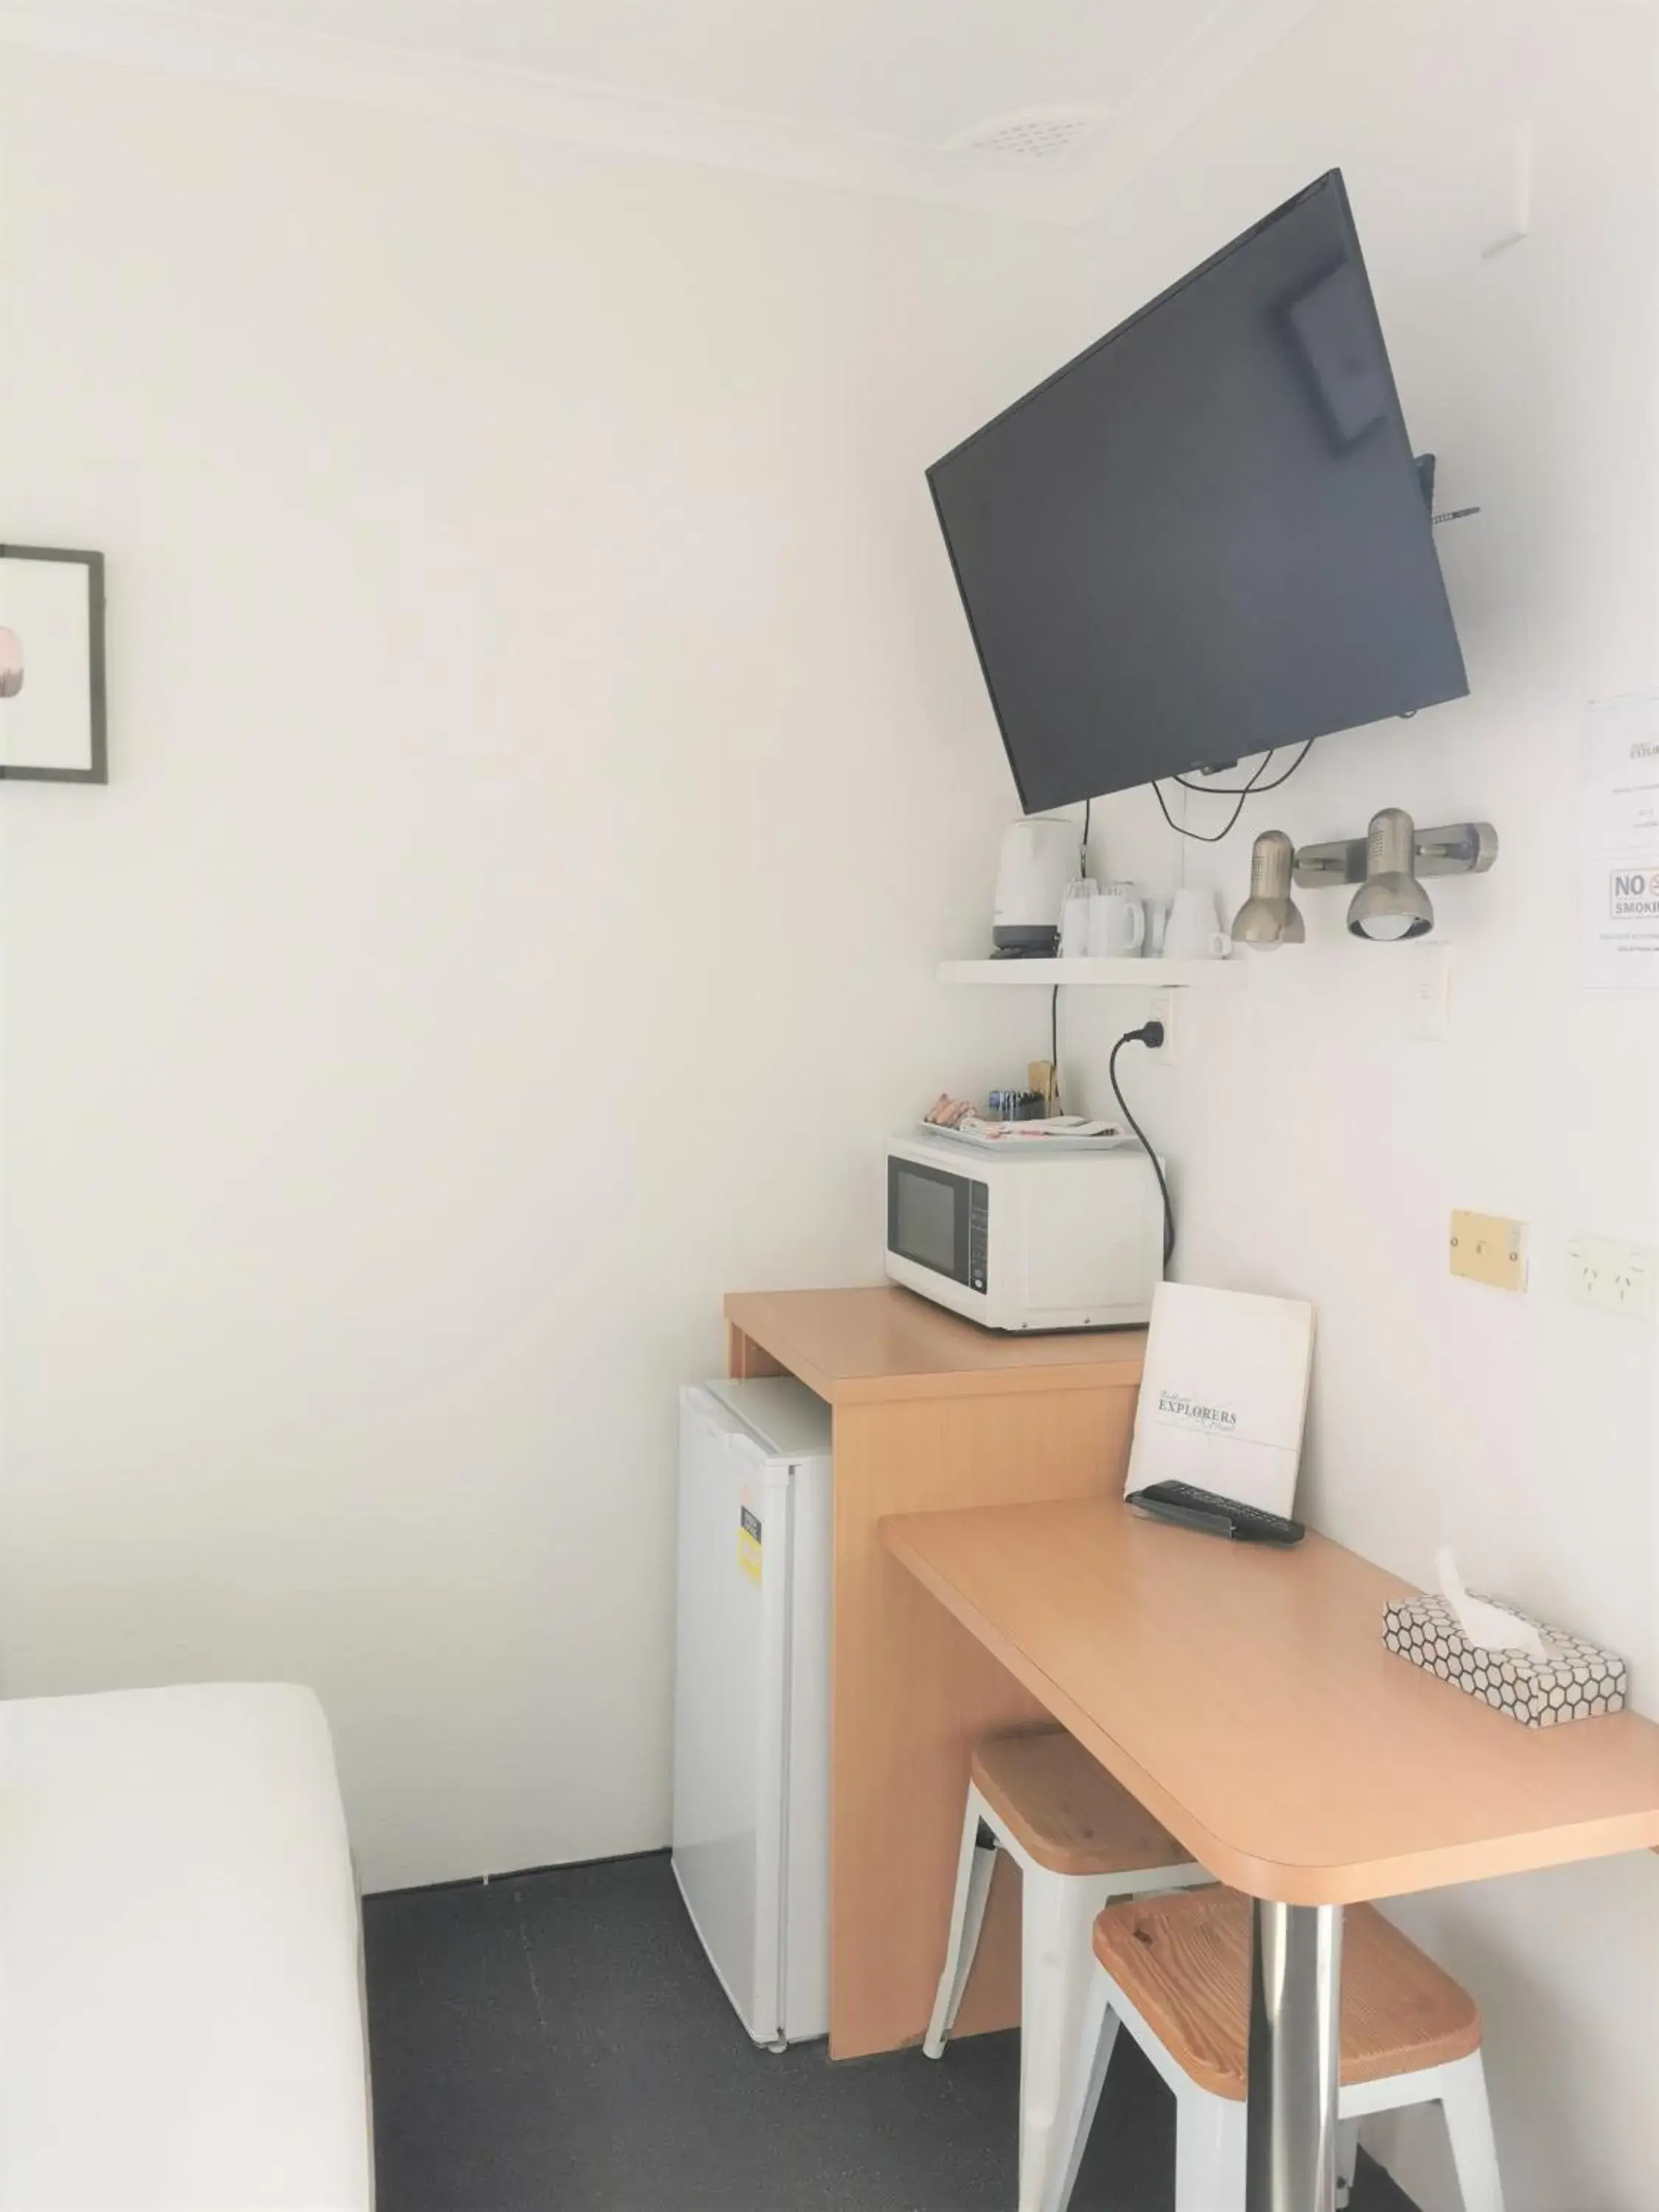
column 1057, row 1919
column 1210, row 2130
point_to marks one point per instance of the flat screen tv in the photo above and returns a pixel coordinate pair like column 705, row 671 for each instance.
column 1206, row 536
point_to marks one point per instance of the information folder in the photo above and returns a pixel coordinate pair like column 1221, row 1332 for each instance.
column 1224, row 1395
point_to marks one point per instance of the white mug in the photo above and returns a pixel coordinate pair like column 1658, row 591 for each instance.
column 1193, row 931
column 1117, row 924
column 1082, row 896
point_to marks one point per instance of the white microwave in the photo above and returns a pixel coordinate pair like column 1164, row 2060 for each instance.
column 1026, row 1239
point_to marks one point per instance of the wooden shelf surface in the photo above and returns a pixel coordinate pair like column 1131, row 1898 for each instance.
column 856, row 1347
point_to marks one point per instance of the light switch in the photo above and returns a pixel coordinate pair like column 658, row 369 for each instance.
column 1489, row 1250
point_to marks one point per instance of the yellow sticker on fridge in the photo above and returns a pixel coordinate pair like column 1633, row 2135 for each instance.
column 749, row 1545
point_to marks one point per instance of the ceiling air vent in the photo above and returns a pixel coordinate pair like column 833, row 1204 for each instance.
column 1032, row 137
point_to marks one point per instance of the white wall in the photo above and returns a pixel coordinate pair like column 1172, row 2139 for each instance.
column 541, row 720
column 1319, row 1150
column 543, row 781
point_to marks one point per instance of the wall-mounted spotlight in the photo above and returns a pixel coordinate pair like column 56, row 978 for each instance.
column 1268, row 917
column 1387, row 864
column 1390, row 904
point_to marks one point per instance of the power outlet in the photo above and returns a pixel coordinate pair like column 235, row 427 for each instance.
column 1488, row 1248
column 1617, row 1277
column 1167, row 1010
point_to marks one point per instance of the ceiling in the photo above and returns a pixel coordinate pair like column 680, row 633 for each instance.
column 1036, row 106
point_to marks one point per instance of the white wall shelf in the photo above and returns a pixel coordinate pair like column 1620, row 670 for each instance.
column 1112, row 974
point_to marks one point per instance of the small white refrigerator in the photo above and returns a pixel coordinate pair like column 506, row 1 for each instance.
column 752, row 1702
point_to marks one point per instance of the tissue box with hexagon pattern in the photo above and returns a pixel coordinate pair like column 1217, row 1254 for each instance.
column 1575, row 1681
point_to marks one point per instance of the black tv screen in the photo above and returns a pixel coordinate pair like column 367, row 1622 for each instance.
column 1206, row 536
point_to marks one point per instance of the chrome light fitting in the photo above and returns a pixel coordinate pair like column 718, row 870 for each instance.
column 1390, row 904
column 1268, row 917
column 1388, row 863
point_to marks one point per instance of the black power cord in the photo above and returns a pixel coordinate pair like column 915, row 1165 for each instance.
column 1239, row 793
column 1151, row 1033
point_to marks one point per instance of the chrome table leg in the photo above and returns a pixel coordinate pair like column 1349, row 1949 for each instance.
column 1296, row 2013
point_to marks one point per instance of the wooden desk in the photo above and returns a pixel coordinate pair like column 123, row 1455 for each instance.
column 927, row 1411
column 1246, row 1698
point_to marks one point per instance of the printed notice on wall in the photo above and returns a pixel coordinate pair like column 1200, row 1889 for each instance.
column 1619, row 880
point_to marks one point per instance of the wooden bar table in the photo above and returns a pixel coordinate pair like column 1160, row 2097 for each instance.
column 1245, row 1697
column 927, row 1411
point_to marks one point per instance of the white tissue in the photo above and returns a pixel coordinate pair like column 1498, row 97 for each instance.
column 1488, row 1628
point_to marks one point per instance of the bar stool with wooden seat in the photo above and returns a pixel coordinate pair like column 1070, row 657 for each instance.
column 1078, row 1840
column 1175, row 1972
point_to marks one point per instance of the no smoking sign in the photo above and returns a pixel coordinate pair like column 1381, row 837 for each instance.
column 1633, row 893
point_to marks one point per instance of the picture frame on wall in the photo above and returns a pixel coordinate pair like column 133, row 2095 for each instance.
column 52, row 711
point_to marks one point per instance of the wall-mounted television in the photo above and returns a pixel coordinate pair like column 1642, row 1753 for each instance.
column 1207, row 535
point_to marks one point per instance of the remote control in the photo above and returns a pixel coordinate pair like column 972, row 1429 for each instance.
column 1203, row 1509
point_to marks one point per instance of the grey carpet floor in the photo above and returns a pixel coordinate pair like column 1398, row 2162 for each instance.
column 557, row 2042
